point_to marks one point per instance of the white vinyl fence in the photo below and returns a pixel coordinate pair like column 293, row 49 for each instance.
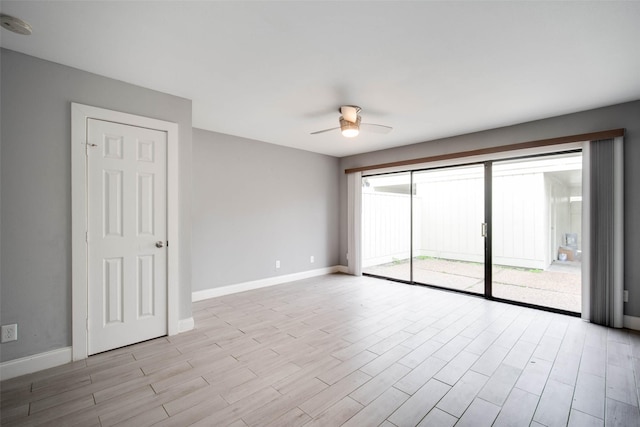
column 385, row 228
column 530, row 213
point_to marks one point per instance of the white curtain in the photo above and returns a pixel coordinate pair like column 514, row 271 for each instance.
column 354, row 218
column 603, row 228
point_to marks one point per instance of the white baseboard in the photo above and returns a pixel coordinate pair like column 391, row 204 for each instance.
column 263, row 283
column 632, row 322
column 185, row 325
column 37, row 362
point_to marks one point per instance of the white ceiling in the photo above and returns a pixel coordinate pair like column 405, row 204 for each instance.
column 276, row 71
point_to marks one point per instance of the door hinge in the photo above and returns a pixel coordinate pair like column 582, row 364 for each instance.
column 86, row 236
column 167, row 243
column 87, row 145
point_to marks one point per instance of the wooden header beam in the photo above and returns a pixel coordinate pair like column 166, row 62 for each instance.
column 613, row 133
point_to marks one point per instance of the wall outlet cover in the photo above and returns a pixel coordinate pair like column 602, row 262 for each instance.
column 9, row 332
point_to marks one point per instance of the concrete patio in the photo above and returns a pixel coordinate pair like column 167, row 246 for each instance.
column 559, row 286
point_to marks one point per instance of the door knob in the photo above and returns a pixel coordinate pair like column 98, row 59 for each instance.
column 159, row 244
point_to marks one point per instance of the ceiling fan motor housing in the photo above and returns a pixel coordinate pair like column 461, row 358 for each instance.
column 350, row 112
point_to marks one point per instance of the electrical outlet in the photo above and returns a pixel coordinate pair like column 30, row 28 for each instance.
column 625, row 296
column 9, row 332
column 277, row 263
column 312, row 259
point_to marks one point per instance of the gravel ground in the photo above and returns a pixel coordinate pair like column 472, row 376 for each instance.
column 558, row 287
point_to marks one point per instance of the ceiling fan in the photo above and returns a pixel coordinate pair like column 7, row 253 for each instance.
column 350, row 123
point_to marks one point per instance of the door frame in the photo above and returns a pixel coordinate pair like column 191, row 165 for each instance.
column 79, row 217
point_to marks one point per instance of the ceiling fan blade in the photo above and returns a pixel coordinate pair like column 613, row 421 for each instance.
column 376, row 128
column 323, row 131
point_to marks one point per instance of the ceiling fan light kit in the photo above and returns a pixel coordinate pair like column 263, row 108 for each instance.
column 349, row 129
column 350, row 123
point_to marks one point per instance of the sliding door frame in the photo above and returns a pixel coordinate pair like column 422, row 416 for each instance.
column 488, row 221
column 411, row 279
column 411, row 227
column 489, row 265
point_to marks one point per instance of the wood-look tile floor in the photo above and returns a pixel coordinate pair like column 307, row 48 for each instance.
column 356, row 351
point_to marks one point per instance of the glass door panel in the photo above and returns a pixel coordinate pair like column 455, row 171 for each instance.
column 386, row 226
column 536, row 211
column 448, row 212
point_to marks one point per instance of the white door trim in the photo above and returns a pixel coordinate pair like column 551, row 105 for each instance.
column 79, row 286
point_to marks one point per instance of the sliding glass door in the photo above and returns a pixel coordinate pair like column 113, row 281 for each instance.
column 448, row 208
column 386, row 226
column 508, row 229
column 537, row 221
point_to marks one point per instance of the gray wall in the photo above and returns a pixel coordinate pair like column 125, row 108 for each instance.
column 618, row 116
column 255, row 203
column 35, row 251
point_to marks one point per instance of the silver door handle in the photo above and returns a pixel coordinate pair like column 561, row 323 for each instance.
column 483, row 230
column 159, row 244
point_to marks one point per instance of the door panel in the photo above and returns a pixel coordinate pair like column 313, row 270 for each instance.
column 127, row 208
column 146, row 306
column 386, row 226
column 113, row 290
column 447, row 234
column 536, row 224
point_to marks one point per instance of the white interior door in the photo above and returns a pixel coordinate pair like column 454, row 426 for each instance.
column 127, row 233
